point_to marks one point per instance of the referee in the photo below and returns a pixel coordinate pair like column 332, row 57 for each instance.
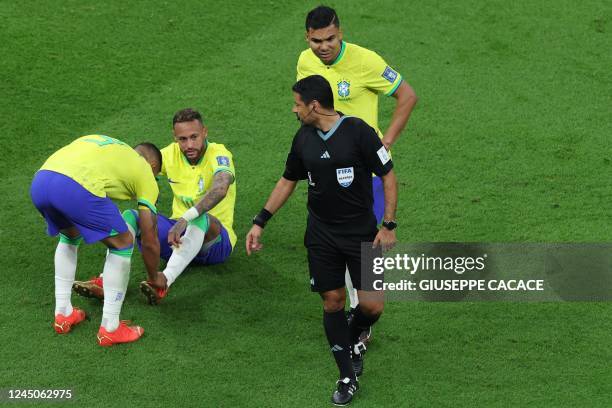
column 357, row 76
column 337, row 155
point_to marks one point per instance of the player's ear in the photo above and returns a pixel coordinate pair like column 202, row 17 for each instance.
column 340, row 34
column 204, row 131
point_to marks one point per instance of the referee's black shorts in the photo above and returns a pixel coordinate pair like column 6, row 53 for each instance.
column 333, row 248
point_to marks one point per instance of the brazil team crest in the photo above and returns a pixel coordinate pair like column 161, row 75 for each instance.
column 345, row 176
column 343, row 88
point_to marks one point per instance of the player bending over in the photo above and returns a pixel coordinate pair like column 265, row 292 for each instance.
column 73, row 191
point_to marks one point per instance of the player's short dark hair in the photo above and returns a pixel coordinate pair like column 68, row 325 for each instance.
column 315, row 87
column 187, row 115
column 322, row 17
column 151, row 149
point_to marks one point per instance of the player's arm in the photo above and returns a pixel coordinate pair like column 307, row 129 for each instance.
column 279, row 196
column 147, row 223
column 405, row 100
column 386, row 237
column 390, row 188
column 379, row 162
column 381, row 78
column 221, row 183
column 147, row 193
column 294, row 171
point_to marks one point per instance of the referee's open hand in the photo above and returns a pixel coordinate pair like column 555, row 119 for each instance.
column 384, row 238
column 252, row 239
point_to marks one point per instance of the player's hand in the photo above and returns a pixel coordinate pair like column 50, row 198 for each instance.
column 384, row 238
column 253, row 238
column 158, row 280
column 386, row 144
column 174, row 235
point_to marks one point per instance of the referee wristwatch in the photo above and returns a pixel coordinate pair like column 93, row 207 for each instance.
column 390, row 225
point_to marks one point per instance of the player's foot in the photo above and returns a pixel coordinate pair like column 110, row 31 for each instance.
column 359, row 350
column 123, row 334
column 154, row 295
column 63, row 324
column 345, row 391
column 92, row 288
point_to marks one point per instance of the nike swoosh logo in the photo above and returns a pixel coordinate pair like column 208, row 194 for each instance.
column 172, row 181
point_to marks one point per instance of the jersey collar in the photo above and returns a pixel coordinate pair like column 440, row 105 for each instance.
column 340, row 54
column 330, row 132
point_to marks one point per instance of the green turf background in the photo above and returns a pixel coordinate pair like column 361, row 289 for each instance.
column 510, row 142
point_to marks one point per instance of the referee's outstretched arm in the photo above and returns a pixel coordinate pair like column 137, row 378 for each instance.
column 282, row 191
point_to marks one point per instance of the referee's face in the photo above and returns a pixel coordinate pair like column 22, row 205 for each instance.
column 325, row 42
column 301, row 110
column 190, row 137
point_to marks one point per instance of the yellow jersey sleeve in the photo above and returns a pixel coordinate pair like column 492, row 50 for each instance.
column 222, row 161
column 377, row 75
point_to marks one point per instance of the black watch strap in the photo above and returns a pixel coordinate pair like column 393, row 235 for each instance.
column 390, row 225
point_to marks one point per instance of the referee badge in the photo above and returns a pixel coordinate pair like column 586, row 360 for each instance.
column 345, row 176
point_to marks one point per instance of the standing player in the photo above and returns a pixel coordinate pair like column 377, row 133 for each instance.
column 201, row 175
column 73, row 191
column 337, row 155
column 357, row 76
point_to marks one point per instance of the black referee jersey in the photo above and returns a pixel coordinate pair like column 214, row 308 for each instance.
column 338, row 165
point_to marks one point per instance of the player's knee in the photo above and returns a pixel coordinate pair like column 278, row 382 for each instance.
column 372, row 308
column 123, row 240
column 333, row 301
column 131, row 219
column 74, row 240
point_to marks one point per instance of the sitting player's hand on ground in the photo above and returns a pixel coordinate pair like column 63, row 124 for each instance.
column 174, row 235
column 385, row 238
column 252, row 240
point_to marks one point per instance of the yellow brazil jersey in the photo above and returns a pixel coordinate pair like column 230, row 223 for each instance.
column 357, row 76
column 107, row 167
column 190, row 182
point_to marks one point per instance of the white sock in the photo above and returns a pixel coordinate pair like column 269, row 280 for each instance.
column 65, row 269
column 191, row 243
column 116, row 277
column 352, row 292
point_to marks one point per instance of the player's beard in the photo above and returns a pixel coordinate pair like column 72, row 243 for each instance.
column 194, row 154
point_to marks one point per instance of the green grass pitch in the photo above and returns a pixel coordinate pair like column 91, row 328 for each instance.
column 510, row 142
